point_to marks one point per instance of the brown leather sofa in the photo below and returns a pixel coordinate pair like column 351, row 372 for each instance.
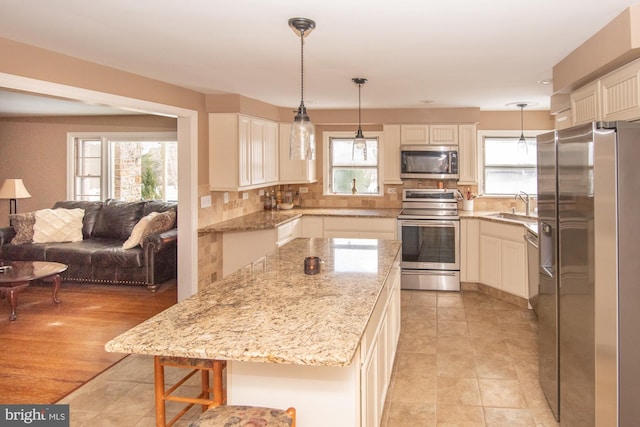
column 99, row 257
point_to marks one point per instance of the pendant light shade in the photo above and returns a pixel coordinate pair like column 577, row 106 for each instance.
column 359, row 149
column 522, row 142
column 302, row 142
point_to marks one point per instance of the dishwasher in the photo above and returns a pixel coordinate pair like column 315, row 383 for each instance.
column 533, row 262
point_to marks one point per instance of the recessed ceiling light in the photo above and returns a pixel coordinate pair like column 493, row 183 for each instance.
column 427, row 101
column 545, row 82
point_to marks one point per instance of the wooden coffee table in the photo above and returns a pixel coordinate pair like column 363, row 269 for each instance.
column 22, row 273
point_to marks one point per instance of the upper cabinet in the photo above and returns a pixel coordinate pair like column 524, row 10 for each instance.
column 467, row 155
column 293, row 171
column 243, row 152
column 615, row 96
column 443, row 134
column 414, row 134
column 391, row 154
column 440, row 134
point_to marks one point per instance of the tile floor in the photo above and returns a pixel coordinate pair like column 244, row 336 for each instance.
column 464, row 359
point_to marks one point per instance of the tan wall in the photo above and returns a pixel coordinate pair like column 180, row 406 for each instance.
column 35, row 149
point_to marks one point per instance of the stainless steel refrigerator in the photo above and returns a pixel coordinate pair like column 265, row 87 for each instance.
column 589, row 281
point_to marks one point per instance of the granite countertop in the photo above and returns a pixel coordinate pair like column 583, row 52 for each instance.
column 270, row 311
column 271, row 219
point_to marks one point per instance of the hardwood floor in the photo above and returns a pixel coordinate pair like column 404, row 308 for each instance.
column 50, row 350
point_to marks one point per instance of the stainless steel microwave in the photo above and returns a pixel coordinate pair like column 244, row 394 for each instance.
column 429, row 161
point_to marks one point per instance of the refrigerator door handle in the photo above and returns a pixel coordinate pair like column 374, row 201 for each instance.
column 547, row 249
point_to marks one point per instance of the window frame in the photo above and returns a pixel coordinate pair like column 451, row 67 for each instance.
column 327, row 166
column 482, row 135
column 107, row 139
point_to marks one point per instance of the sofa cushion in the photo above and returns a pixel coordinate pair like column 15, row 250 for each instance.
column 161, row 222
column 138, row 230
column 116, row 219
column 158, row 206
column 23, row 226
column 27, row 251
column 58, row 225
column 91, row 210
column 97, row 252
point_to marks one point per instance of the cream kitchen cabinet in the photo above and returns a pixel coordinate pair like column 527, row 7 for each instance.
column 378, row 348
column 470, row 250
column 243, row 152
column 288, row 231
column 446, row 134
column 620, row 93
column 312, row 226
column 503, row 262
column 585, row 103
column 414, row 134
column 293, row 171
column 467, row 155
column 391, row 154
column 356, row 227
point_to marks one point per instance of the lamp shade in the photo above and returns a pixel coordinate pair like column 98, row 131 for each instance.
column 13, row 188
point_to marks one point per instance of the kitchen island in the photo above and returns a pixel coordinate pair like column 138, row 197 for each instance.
column 324, row 343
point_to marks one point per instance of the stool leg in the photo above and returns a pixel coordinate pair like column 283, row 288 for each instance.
column 219, row 392
column 206, row 387
column 158, row 370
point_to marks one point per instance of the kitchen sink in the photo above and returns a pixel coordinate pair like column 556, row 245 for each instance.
column 521, row 218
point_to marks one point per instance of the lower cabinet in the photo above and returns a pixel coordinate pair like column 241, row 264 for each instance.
column 288, row 231
column 357, row 227
column 378, row 349
column 470, row 250
column 503, row 262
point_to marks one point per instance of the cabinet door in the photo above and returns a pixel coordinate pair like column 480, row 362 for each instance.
column 369, row 388
column 467, row 155
column 490, row 261
column 470, row 250
column 244, row 151
column 414, row 134
column 271, row 152
column 620, row 92
column 585, row 103
column 391, row 150
column 514, row 262
column 443, row 134
column 258, row 130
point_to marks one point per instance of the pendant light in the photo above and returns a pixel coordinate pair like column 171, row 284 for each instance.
column 522, row 142
column 359, row 149
column 302, row 142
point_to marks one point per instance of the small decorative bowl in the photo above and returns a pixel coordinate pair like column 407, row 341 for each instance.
column 286, row 206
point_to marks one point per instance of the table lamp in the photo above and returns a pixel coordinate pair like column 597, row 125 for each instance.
column 13, row 189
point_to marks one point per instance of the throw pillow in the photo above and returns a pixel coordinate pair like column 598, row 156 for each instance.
column 138, row 230
column 160, row 222
column 23, row 226
column 58, row 225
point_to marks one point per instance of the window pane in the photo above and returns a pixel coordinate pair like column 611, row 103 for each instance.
column 88, row 167
column 507, row 151
column 342, row 153
column 88, row 186
column 366, row 180
column 510, row 181
column 91, row 148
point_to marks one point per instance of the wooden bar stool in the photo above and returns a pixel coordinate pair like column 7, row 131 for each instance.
column 235, row 415
column 210, row 395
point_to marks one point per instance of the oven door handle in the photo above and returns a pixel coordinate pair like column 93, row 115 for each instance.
column 428, row 273
column 428, row 223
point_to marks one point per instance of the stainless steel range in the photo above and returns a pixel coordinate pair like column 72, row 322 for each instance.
column 429, row 227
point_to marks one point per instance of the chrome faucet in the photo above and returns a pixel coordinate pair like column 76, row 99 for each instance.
column 525, row 198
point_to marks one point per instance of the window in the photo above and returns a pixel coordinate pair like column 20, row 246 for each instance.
column 343, row 170
column 508, row 168
column 123, row 166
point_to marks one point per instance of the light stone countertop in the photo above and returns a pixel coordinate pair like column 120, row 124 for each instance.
column 271, row 219
column 271, row 311
column 529, row 222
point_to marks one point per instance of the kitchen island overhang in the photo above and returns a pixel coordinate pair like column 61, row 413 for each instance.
column 313, row 334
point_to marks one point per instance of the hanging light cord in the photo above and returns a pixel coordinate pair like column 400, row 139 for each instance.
column 521, row 121
column 359, row 107
column 301, row 68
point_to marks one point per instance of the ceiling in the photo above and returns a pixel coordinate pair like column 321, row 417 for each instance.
column 415, row 53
